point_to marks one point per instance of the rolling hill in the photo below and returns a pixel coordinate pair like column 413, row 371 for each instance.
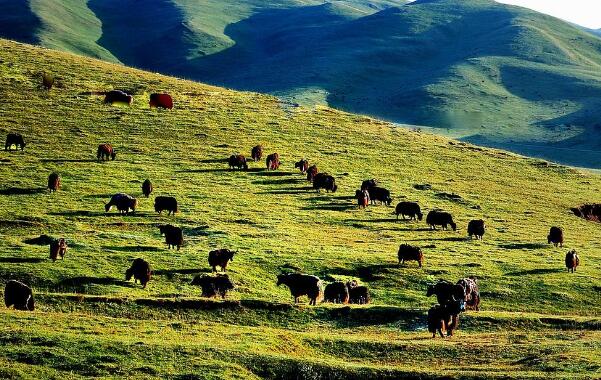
column 537, row 321
column 477, row 70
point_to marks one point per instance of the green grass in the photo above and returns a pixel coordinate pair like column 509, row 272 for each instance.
column 484, row 72
column 537, row 320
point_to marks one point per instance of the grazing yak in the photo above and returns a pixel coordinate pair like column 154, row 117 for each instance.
column 324, row 181
column 161, row 100
column 116, row 96
column 476, row 228
column 572, row 260
column 213, row 286
column 362, row 198
column 300, row 285
column 123, row 202
column 273, row 161
column 358, row 294
column 16, row 140
column 379, row 194
column 302, row 165
column 58, row 248
column 147, row 188
column 368, row 184
column 465, row 289
column 140, row 270
column 410, row 209
column 162, row 203
column 336, row 292
column 555, row 236
column 445, row 318
column 47, row 81
column 237, row 161
column 440, row 218
column 312, row 172
column 410, row 253
column 19, row 295
column 54, row 182
column 174, row 236
column 105, row 151
column 220, row 257
column 256, row 153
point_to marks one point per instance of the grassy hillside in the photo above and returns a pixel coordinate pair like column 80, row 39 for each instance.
column 536, row 320
column 484, row 72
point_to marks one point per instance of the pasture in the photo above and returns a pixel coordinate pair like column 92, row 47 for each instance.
column 536, row 320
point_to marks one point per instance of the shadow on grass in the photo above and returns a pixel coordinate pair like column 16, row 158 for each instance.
column 283, row 181
column 364, row 272
column 331, row 207
column 214, row 161
column 381, row 220
column 137, row 248
column 170, row 272
column 61, row 160
column 99, row 213
column 79, row 284
column 22, row 191
column 536, row 271
column 19, row 260
column 272, row 173
column 522, row 246
column 219, row 170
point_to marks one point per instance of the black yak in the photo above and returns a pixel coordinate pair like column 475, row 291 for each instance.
column 572, row 260
column 14, row 139
column 300, row 285
column 358, row 294
column 368, row 184
column 302, row 165
column 237, row 161
column 445, row 318
column 147, row 188
column 58, row 248
column 324, row 181
column 410, row 253
column 440, row 218
column 312, row 171
column 140, row 270
column 54, row 182
column 161, row 100
column 105, row 151
column 410, row 209
column 116, row 96
column 213, row 286
column 19, row 295
column 273, row 161
column 174, row 236
column 336, row 292
column 555, row 236
column 379, row 194
column 362, row 198
column 220, row 257
column 123, row 202
column 476, row 228
column 465, row 289
column 162, row 203
column 256, row 153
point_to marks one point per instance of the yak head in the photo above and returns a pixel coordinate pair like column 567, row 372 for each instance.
column 282, row 279
column 107, row 207
column 453, row 226
column 431, row 290
column 334, row 188
column 388, row 201
column 420, row 216
column 128, row 274
column 113, row 155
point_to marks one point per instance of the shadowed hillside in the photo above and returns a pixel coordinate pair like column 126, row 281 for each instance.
column 536, row 321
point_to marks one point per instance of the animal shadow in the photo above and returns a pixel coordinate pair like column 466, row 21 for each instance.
column 283, row 181
column 535, row 271
column 22, row 191
column 137, row 248
column 61, row 160
column 364, row 272
column 19, row 260
column 522, row 246
column 79, row 284
column 272, row 173
column 170, row 273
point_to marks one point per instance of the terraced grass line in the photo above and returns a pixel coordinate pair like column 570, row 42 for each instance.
column 90, row 320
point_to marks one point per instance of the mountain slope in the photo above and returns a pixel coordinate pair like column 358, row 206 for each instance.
column 474, row 69
column 537, row 321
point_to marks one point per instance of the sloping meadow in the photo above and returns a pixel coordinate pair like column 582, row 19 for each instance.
column 275, row 221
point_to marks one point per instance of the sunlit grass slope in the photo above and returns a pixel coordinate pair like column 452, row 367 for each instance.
column 537, row 320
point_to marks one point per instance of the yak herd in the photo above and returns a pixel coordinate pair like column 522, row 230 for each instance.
column 452, row 298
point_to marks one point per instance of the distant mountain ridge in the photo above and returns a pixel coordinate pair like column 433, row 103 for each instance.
column 479, row 70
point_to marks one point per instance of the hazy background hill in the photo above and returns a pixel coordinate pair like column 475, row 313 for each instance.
column 474, row 69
